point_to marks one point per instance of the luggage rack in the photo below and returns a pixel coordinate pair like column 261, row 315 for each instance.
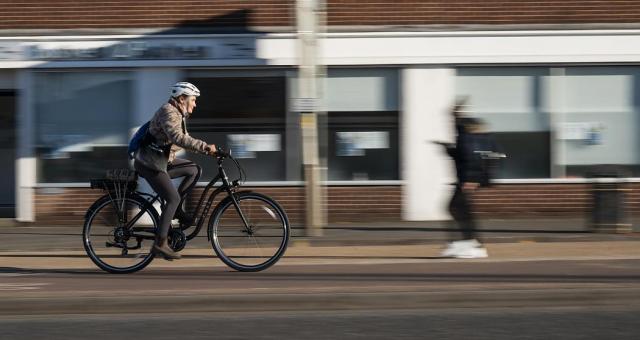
column 117, row 182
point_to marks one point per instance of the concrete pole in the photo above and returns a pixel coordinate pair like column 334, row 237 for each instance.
column 309, row 15
column 26, row 163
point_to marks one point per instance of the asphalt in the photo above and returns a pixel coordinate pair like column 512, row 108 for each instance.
column 478, row 324
column 385, row 257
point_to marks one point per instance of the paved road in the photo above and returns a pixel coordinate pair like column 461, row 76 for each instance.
column 567, row 290
column 360, row 285
column 481, row 323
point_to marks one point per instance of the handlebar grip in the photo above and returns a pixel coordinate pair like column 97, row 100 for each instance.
column 220, row 152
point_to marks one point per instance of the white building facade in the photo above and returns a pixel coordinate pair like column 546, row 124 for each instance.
column 559, row 101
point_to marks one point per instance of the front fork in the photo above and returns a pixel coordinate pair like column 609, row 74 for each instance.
column 236, row 204
column 231, row 191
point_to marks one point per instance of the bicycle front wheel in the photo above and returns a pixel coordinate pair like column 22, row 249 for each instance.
column 252, row 236
column 118, row 234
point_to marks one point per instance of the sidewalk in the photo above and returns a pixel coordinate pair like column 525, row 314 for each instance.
column 302, row 254
column 37, row 238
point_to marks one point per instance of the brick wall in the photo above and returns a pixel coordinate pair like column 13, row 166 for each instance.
column 489, row 12
column 67, row 206
column 371, row 203
column 63, row 206
column 545, row 200
column 61, row 14
column 68, row 14
column 533, row 199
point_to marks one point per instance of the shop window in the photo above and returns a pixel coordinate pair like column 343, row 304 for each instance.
column 532, row 163
column 245, row 113
column 510, row 100
column 362, row 125
column 599, row 119
column 363, row 146
column 81, row 124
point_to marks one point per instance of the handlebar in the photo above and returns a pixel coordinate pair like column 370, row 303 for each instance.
column 221, row 154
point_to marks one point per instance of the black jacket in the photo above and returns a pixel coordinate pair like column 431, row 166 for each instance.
column 468, row 160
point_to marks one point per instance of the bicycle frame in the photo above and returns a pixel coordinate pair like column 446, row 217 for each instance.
column 226, row 186
column 199, row 218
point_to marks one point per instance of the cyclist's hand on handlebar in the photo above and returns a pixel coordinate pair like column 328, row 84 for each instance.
column 211, row 149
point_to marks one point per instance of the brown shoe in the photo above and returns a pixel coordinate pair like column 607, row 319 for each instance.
column 166, row 252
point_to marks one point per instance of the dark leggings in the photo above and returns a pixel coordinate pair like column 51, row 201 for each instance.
column 161, row 183
column 460, row 209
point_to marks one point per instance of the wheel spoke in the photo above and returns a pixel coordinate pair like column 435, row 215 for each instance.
column 257, row 245
column 261, row 247
column 113, row 247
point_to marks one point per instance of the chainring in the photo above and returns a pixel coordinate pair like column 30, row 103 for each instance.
column 177, row 239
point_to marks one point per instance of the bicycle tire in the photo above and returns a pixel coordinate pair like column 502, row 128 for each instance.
column 226, row 251
column 88, row 241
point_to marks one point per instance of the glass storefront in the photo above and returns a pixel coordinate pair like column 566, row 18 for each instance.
column 511, row 101
column 593, row 111
column 82, row 124
column 83, row 120
column 244, row 111
column 545, row 119
column 363, row 118
column 247, row 111
column 599, row 119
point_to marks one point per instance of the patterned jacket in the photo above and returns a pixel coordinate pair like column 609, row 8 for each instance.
column 168, row 126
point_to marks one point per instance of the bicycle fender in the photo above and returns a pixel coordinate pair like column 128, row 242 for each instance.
column 95, row 204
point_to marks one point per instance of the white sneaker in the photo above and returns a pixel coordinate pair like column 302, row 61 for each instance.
column 451, row 250
column 470, row 252
column 455, row 246
column 462, row 247
column 472, row 243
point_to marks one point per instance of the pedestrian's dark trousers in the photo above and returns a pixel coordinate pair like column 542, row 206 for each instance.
column 460, row 209
column 161, row 183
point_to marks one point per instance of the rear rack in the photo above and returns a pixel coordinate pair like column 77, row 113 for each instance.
column 117, row 182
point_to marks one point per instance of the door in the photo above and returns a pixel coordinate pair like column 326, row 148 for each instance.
column 7, row 154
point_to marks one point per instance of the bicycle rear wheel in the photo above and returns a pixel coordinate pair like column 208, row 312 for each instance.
column 112, row 245
column 256, row 246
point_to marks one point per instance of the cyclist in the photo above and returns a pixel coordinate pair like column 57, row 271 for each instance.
column 168, row 134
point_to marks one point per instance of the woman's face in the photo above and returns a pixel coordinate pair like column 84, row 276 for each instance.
column 189, row 104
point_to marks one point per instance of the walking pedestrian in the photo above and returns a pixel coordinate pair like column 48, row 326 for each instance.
column 472, row 143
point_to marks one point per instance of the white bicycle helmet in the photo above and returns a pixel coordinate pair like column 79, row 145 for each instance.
column 184, row 88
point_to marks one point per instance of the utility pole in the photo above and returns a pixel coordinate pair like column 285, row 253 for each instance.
column 310, row 16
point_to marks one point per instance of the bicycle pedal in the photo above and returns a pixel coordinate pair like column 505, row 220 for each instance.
column 113, row 245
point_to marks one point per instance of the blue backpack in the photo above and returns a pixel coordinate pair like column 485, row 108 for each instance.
column 137, row 139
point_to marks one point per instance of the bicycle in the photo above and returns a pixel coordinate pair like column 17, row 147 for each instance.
column 248, row 231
